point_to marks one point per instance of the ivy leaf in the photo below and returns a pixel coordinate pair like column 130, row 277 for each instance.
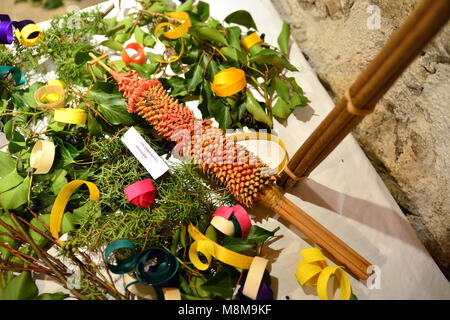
column 281, row 109
column 115, row 45
column 234, row 54
column 10, row 181
column 269, row 56
column 194, row 77
column 143, row 38
column 283, row 38
column 186, row 6
column 221, row 112
column 220, row 285
column 15, row 197
column 255, row 109
column 28, row 96
column 282, row 88
column 145, row 70
column 21, row 287
column 7, row 164
column 113, row 107
column 234, row 36
column 202, row 10
column 93, row 126
column 210, row 34
column 66, row 226
column 241, row 17
column 237, row 244
column 178, row 86
column 259, row 235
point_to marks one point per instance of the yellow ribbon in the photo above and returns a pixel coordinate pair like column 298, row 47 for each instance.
column 251, row 40
column 73, row 116
column 313, row 271
column 217, row 251
column 228, row 82
column 255, row 135
column 42, row 156
column 175, row 33
column 24, row 35
column 61, row 200
column 53, row 97
column 206, row 248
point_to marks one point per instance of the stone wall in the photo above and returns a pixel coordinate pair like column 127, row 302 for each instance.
column 407, row 138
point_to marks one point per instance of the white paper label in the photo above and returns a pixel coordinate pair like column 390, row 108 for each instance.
column 144, row 153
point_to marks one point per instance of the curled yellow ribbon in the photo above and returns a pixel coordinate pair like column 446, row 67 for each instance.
column 228, row 82
column 53, row 96
column 251, row 40
column 73, row 116
column 313, row 271
column 24, row 34
column 61, row 200
column 175, row 33
column 42, row 156
column 206, row 248
column 220, row 253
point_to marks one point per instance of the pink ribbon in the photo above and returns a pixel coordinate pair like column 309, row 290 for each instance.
column 239, row 213
column 141, row 193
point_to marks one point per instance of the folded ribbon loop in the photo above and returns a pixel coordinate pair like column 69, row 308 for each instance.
column 141, row 193
column 123, row 265
column 42, row 156
column 16, row 73
column 241, row 222
column 73, row 116
column 139, row 57
column 228, row 82
column 313, row 271
column 249, row 41
column 26, row 31
column 53, row 95
column 61, row 201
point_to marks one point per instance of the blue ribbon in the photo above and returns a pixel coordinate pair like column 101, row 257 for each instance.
column 159, row 275
column 15, row 72
column 6, row 28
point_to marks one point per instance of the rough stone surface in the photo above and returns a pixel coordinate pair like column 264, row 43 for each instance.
column 407, row 137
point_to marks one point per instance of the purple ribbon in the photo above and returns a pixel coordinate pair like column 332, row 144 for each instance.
column 6, row 28
column 264, row 293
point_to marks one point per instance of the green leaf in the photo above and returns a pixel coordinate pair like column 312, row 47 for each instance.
column 21, row 287
column 122, row 37
column 93, row 126
column 52, row 296
column 220, row 284
column 7, row 164
column 243, row 18
column 66, row 226
column 115, row 45
column 234, row 54
column 178, row 86
column 353, row 297
column 282, row 88
column 211, row 233
column 53, row 4
column 221, row 112
column 89, row 208
column 255, row 109
column 202, row 10
column 196, row 285
column 283, row 38
column 4, row 238
column 259, row 235
column 28, row 96
column 10, row 181
column 237, row 244
column 194, row 77
column 15, row 197
column 272, row 57
column 234, row 37
column 145, row 70
column 113, row 107
column 210, row 34
column 143, row 38
column 281, row 109
column 59, row 180
column 186, row 6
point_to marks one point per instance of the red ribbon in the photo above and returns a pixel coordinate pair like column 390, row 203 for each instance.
column 141, row 193
column 239, row 213
column 140, row 57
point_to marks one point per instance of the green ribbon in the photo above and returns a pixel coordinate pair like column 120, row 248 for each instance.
column 15, row 72
column 165, row 268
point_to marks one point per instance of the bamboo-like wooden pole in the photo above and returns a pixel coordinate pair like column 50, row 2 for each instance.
column 405, row 44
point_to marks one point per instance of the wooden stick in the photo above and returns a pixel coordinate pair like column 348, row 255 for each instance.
column 271, row 197
column 371, row 85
